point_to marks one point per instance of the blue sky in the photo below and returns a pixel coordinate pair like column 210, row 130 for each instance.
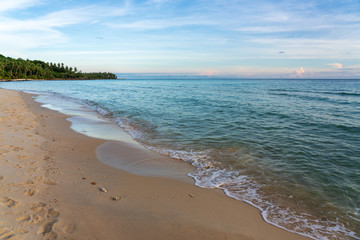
column 281, row 39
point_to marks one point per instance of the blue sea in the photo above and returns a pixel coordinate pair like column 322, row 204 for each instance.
column 289, row 147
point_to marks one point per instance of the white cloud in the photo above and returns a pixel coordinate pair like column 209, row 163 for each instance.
column 148, row 24
column 279, row 16
column 264, row 29
column 336, row 65
column 28, row 40
column 45, row 30
column 7, row 5
column 300, row 71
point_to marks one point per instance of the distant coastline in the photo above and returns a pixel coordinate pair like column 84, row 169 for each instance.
column 12, row 69
column 56, row 79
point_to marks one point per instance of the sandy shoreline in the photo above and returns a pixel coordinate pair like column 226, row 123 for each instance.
column 46, row 190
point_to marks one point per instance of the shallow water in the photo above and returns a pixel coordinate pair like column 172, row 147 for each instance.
column 289, row 147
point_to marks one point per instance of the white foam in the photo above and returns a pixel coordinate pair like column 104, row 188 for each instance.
column 241, row 187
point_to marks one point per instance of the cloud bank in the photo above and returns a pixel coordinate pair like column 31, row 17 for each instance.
column 262, row 38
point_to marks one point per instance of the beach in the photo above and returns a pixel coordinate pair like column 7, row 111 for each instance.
column 53, row 186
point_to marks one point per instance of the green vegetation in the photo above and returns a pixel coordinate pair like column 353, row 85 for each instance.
column 11, row 68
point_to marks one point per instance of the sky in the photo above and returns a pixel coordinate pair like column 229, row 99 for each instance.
column 232, row 38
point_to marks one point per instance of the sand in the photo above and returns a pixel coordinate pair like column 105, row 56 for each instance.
column 50, row 180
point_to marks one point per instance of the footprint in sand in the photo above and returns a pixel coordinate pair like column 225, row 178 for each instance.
column 8, row 202
column 1, row 178
column 69, row 229
column 38, row 206
column 33, row 219
column 46, row 226
column 52, row 213
column 31, row 192
column 11, row 234
column 50, row 182
column 17, row 149
column 17, row 166
column 29, row 182
column 24, row 219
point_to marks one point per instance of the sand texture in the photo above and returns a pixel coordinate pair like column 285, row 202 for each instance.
column 26, row 212
column 52, row 186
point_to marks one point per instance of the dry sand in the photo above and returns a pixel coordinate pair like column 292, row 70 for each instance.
column 49, row 189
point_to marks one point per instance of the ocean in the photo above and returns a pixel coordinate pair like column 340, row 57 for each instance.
column 291, row 148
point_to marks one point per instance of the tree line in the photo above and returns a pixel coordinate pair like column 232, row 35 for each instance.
column 11, row 68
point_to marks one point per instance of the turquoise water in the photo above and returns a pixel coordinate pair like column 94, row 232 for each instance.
column 288, row 147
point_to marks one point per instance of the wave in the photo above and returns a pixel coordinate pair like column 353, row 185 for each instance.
column 351, row 94
column 292, row 91
column 323, row 98
column 240, row 186
column 235, row 184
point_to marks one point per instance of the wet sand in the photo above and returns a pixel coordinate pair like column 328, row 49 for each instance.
column 50, row 180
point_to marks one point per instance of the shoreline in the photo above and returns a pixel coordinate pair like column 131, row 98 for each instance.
column 147, row 208
column 55, row 79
